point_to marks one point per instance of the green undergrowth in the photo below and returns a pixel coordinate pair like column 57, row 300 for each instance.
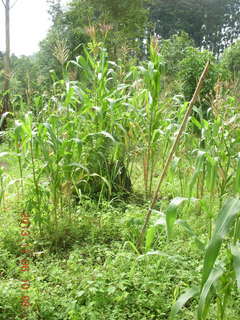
column 90, row 268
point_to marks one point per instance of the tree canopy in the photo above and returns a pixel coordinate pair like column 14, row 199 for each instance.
column 213, row 24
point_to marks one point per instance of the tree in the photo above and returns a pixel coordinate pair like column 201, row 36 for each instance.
column 231, row 30
column 211, row 23
column 231, row 59
column 7, row 68
column 6, row 104
column 25, row 80
column 1, row 72
column 120, row 24
column 129, row 20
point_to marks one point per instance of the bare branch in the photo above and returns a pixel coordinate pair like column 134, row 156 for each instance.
column 4, row 3
column 13, row 5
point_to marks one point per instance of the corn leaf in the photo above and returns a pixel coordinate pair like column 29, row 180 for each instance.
column 189, row 230
column 181, row 301
column 223, row 223
column 171, row 214
column 204, row 301
column 235, row 250
column 149, row 237
column 103, row 179
column 211, row 173
column 198, row 170
column 3, row 117
column 237, row 179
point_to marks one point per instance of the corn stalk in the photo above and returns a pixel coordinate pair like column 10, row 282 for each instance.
column 172, row 152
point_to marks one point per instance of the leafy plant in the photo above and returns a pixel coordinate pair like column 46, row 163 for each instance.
column 231, row 59
column 214, row 273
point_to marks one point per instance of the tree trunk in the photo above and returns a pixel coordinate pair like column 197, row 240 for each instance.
column 7, row 67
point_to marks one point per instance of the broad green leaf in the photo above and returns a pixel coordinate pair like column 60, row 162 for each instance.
column 211, row 173
column 89, row 58
column 161, row 220
column 204, row 300
column 196, row 122
column 27, row 126
column 236, row 262
column 198, row 170
column 4, row 154
column 224, row 221
column 237, row 179
column 171, row 214
column 149, row 237
column 103, row 133
column 4, row 115
column 69, row 96
column 161, row 254
column 181, row 301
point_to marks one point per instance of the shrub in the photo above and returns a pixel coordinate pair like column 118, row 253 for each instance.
column 231, row 58
column 191, row 67
column 173, row 51
column 190, row 71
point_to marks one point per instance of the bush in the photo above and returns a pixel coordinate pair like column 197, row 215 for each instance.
column 173, row 51
column 191, row 68
column 231, row 58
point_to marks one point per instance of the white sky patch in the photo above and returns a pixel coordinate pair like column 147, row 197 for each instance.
column 29, row 21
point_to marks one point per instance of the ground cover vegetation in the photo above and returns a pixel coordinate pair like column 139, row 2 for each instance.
column 93, row 117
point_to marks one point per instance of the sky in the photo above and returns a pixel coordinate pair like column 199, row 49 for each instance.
column 29, row 23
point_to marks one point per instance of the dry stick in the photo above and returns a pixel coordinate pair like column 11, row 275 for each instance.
column 172, row 151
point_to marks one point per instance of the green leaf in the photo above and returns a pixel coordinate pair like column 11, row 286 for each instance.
column 171, row 214
column 77, row 165
column 235, row 250
column 211, row 173
column 107, row 135
column 103, row 133
column 186, row 226
column 224, row 221
column 198, row 170
column 204, row 301
column 103, row 179
column 149, row 237
column 174, row 258
column 69, row 96
column 4, row 154
column 187, row 295
column 196, row 122
column 3, row 117
column 237, row 179
column 132, row 245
